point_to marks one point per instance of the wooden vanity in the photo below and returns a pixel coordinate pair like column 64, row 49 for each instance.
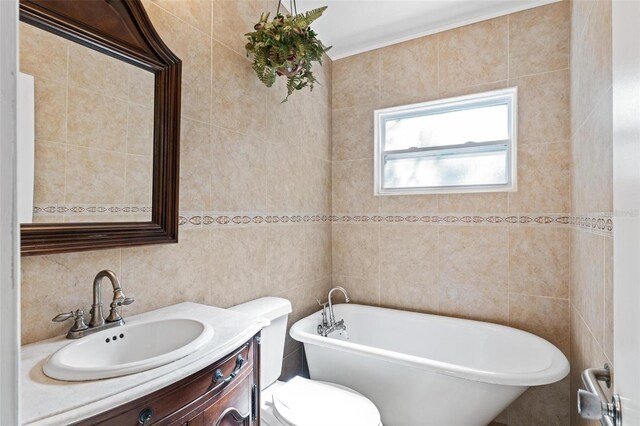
column 226, row 393
column 217, row 384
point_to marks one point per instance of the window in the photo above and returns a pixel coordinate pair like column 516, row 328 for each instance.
column 464, row 144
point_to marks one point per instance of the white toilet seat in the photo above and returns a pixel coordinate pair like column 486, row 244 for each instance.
column 304, row 402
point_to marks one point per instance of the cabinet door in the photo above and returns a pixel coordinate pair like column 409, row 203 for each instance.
column 202, row 399
column 196, row 421
column 233, row 409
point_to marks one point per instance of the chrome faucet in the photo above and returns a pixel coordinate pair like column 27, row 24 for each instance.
column 346, row 299
column 330, row 325
column 98, row 322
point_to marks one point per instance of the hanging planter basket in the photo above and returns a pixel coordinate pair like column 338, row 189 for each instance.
column 290, row 72
column 286, row 46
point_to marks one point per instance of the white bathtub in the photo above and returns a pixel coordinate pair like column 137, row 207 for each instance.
column 424, row 369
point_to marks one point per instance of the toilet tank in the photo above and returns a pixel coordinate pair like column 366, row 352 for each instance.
column 276, row 310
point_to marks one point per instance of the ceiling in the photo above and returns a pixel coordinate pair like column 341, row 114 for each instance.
column 356, row 26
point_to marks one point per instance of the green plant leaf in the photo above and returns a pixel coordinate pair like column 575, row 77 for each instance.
column 286, row 46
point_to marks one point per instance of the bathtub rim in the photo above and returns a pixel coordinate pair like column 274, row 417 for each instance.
column 557, row 370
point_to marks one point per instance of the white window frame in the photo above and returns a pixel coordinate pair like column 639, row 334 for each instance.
column 507, row 96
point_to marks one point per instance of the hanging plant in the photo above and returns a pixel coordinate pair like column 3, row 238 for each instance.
column 286, row 46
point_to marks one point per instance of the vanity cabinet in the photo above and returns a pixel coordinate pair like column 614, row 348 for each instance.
column 226, row 393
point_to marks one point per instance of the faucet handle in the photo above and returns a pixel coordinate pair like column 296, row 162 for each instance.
column 63, row 317
column 325, row 323
column 114, row 315
column 78, row 317
column 78, row 313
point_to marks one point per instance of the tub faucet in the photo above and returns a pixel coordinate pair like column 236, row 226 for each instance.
column 97, row 322
column 346, row 299
column 330, row 325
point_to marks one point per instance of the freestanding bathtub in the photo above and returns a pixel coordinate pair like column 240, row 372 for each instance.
column 424, row 369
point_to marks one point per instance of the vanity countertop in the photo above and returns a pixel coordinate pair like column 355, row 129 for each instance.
column 46, row 401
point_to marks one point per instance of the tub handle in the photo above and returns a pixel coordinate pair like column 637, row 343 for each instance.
column 593, row 403
column 322, row 328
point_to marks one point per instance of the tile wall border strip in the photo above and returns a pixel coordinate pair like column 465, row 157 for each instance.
column 600, row 223
column 44, row 210
column 596, row 223
column 459, row 219
column 207, row 220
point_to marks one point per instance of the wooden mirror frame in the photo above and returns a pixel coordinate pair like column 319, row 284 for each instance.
column 121, row 29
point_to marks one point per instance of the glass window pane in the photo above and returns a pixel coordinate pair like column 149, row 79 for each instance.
column 482, row 124
column 450, row 169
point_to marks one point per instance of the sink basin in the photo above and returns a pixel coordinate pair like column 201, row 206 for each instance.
column 128, row 349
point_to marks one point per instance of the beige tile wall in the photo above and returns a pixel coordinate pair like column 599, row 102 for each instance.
column 93, row 128
column 506, row 273
column 242, row 151
column 592, row 143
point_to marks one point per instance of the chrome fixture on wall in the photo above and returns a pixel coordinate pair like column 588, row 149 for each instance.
column 593, row 403
column 331, row 325
column 97, row 322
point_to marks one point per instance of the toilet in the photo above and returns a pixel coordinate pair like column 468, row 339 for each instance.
column 300, row 401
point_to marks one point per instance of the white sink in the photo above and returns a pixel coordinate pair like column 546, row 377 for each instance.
column 128, row 349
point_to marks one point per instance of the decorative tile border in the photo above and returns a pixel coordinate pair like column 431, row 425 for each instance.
column 601, row 223
column 598, row 223
column 102, row 209
column 458, row 219
column 212, row 219
column 200, row 219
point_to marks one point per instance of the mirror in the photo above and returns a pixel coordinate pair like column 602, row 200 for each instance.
column 99, row 113
column 92, row 155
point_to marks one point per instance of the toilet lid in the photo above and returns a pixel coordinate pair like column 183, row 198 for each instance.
column 304, row 402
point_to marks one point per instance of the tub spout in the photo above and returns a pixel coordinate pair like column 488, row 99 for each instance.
column 333, row 324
